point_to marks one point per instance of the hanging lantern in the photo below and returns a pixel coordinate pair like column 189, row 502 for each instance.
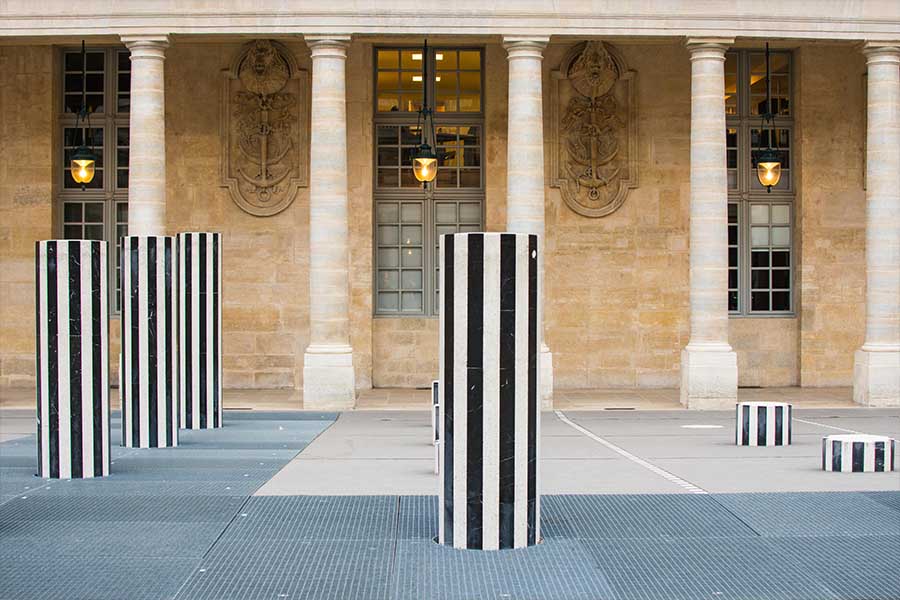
column 768, row 161
column 83, row 162
column 425, row 163
column 768, row 168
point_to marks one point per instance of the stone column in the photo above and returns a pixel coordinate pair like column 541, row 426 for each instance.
column 876, row 373
column 708, row 364
column 525, row 163
column 147, row 127
column 328, row 378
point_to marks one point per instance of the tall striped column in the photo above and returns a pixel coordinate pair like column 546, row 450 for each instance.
column 149, row 391
column 72, row 358
column 200, row 329
column 489, row 385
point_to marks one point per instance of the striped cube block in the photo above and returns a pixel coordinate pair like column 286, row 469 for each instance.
column 72, row 358
column 490, row 329
column 763, row 424
column 200, row 329
column 858, row 453
column 149, row 391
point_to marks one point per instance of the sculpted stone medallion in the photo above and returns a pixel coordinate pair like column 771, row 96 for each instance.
column 594, row 130
column 263, row 132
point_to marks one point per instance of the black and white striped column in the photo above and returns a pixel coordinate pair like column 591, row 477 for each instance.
column 858, row 453
column 200, row 329
column 763, row 424
column 149, row 391
column 72, row 358
column 489, row 339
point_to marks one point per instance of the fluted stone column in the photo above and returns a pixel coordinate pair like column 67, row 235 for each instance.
column 147, row 130
column 708, row 364
column 525, row 163
column 328, row 379
column 876, row 376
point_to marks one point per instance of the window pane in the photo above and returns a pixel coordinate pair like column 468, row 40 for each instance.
column 411, row 257
column 388, row 212
column 412, row 301
column 411, row 212
column 389, row 257
column 731, row 83
column 388, row 234
column 412, row 279
column 759, row 279
column 781, row 213
column 388, row 301
column 759, row 301
column 781, row 279
column 759, row 214
column 781, row 301
column 781, row 236
column 445, row 213
column 760, row 236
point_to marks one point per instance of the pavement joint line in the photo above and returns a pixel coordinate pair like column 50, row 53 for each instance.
column 686, row 485
column 827, row 426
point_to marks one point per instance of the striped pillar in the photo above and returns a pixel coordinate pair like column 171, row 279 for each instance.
column 149, row 391
column 763, row 424
column 200, row 329
column 72, row 358
column 489, row 381
column 858, row 453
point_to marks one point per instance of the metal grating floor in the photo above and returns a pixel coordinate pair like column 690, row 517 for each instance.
column 182, row 524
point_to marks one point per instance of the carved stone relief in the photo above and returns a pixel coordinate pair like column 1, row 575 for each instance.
column 594, row 129
column 264, row 131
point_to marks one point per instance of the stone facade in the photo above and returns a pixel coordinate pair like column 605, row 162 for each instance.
column 617, row 288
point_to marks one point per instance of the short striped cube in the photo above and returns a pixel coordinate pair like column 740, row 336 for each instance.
column 858, row 453
column 72, row 358
column 200, row 329
column 490, row 327
column 763, row 424
column 149, row 390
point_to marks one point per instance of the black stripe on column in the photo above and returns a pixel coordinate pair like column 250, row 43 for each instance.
column 879, row 456
column 835, row 455
column 39, row 378
column 745, row 425
column 475, row 393
column 893, row 453
column 97, row 365
column 779, row 425
column 790, row 421
column 171, row 408
column 737, row 427
column 135, row 391
column 216, row 331
column 859, row 457
column 75, row 366
column 188, row 350
column 824, row 447
column 201, row 335
column 152, row 341
column 53, row 358
column 532, row 385
column 124, row 398
column 447, row 292
column 761, row 425
column 507, row 390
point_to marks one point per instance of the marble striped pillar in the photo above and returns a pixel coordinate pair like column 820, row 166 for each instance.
column 489, row 383
column 858, row 453
column 876, row 373
column 149, row 390
column 72, row 358
column 200, row 329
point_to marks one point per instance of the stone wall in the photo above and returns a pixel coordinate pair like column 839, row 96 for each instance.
column 28, row 130
column 831, row 135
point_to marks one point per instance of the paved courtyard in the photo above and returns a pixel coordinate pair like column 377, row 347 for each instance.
column 637, row 505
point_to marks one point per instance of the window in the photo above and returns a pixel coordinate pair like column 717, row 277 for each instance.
column 760, row 224
column 409, row 221
column 99, row 212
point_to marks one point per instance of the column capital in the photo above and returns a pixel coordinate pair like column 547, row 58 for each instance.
column 881, row 52
column 333, row 45
column 525, row 46
column 713, row 48
column 147, row 45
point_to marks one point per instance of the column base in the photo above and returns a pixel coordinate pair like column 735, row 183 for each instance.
column 876, row 377
column 709, row 377
column 545, row 364
column 329, row 382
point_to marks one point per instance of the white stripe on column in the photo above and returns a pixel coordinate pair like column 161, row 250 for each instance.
column 65, row 360
column 210, row 331
column 104, row 357
column 87, row 360
column 521, row 466
column 490, row 483
column 539, row 332
column 45, row 372
column 195, row 328
column 770, row 426
column 440, row 425
column 460, row 391
column 125, row 341
column 162, row 334
column 221, row 303
column 143, row 340
column 754, row 425
column 183, row 352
